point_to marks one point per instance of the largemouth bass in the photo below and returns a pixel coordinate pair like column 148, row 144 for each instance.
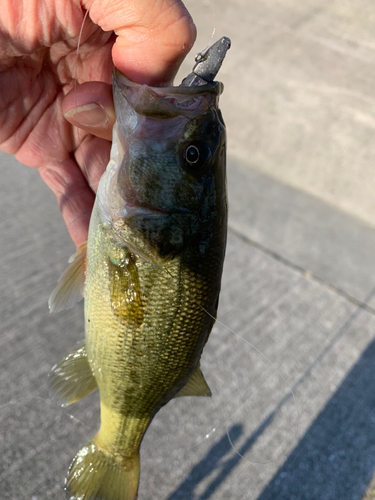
column 151, row 275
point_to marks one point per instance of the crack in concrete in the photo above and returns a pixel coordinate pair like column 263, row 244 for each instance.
column 306, row 273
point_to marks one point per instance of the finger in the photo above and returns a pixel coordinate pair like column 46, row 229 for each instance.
column 74, row 196
column 92, row 156
column 90, row 107
column 153, row 36
column 75, row 182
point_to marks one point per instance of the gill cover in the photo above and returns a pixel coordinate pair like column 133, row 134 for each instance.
column 168, row 144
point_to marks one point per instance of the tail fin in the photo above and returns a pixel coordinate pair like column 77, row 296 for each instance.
column 96, row 475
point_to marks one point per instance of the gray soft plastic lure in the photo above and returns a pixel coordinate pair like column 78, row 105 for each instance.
column 208, row 62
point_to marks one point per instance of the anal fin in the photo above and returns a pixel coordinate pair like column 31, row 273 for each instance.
column 72, row 379
column 196, row 385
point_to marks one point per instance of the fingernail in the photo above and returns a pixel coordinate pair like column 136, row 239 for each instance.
column 89, row 115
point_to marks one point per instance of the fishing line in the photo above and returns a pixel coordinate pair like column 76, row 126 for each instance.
column 75, row 94
column 86, row 171
column 289, row 388
column 212, row 5
column 77, row 53
column 50, row 402
column 214, row 13
column 274, row 368
column 79, row 131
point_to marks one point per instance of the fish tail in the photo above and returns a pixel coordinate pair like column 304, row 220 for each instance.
column 97, row 475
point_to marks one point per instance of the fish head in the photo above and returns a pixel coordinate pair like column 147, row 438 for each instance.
column 166, row 177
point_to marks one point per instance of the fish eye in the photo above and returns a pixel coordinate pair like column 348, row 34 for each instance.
column 192, row 154
column 195, row 154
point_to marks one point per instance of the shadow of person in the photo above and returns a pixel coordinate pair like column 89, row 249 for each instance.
column 213, row 460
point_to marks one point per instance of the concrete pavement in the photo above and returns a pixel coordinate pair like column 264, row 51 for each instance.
column 293, row 378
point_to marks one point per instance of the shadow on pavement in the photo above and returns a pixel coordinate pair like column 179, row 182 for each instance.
column 335, row 459
column 213, row 460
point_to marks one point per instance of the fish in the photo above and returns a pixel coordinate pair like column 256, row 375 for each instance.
column 150, row 274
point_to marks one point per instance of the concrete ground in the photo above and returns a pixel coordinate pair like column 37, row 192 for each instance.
column 292, row 372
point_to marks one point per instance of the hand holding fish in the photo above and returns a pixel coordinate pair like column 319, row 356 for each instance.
column 39, row 64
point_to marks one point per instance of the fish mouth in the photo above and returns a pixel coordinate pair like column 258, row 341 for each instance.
column 197, row 92
column 166, row 102
column 142, row 209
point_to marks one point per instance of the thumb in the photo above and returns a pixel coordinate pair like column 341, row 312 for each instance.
column 90, row 106
column 154, row 36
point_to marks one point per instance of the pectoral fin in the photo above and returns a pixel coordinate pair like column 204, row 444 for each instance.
column 196, row 385
column 126, row 297
column 71, row 283
column 72, row 379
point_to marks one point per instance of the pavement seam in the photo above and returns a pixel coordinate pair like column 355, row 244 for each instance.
column 301, row 270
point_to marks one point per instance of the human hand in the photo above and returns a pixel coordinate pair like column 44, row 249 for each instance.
column 39, row 66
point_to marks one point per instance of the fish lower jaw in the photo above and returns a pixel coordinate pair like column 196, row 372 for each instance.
column 131, row 211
